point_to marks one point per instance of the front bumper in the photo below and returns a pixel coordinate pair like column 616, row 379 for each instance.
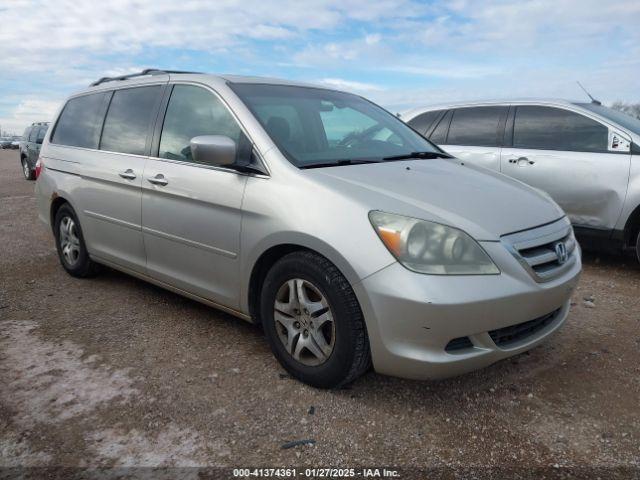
column 412, row 317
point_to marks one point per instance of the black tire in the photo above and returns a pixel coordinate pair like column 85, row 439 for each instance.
column 350, row 357
column 28, row 173
column 638, row 245
column 83, row 266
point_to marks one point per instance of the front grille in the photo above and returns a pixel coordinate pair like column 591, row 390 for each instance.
column 457, row 344
column 504, row 337
column 545, row 252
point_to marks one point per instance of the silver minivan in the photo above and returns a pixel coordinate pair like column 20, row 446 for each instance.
column 585, row 155
column 349, row 237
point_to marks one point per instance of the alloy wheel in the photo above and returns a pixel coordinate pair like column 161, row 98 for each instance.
column 69, row 241
column 304, row 322
column 25, row 169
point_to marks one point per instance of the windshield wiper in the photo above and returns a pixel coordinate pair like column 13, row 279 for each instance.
column 423, row 155
column 339, row 163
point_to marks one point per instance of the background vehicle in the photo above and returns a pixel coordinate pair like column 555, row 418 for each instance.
column 5, row 142
column 348, row 236
column 15, row 142
column 586, row 156
column 30, row 148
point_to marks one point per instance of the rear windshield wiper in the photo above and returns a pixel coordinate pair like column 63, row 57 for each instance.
column 424, row 155
column 339, row 163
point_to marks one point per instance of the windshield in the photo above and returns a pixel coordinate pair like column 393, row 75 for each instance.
column 313, row 126
column 621, row 118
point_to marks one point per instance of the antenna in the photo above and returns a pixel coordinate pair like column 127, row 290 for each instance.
column 593, row 100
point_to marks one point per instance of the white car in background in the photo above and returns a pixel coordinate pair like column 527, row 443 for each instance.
column 585, row 155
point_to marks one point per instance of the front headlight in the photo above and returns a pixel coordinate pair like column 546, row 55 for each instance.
column 428, row 247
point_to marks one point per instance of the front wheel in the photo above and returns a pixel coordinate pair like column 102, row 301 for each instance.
column 26, row 170
column 313, row 321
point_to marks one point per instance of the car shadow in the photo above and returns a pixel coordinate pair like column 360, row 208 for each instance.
column 623, row 261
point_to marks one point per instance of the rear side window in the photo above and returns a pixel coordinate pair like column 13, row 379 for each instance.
column 422, row 123
column 439, row 134
column 551, row 128
column 80, row 122
column 193, row 111
column 33, row 134
column 127, row 124
column 42, row 131
column 475, row 126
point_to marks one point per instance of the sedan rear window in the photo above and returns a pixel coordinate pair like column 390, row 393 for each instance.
column 551, row 128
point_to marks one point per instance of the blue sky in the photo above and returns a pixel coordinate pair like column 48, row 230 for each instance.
column 400, row 53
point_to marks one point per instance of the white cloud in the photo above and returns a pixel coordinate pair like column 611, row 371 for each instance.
column 501, row 27
column 373, row 39
column 459, row 70
column 28, row 111
column 457, row 48
column 120, row 26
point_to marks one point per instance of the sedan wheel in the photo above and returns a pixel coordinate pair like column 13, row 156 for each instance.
column 304, row 322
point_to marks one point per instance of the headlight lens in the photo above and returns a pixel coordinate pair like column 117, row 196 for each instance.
column 428, row 247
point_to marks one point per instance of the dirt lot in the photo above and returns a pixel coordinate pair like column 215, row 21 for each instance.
column 115, row 372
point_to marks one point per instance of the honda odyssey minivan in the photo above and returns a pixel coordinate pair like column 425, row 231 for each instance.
column 350, row 238
column 585, row 155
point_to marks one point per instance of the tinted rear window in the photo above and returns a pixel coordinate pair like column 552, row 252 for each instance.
column 127, row 124
column 80, row 121
column 621, row 118
column 551, row 128
column 42, row 131
column 439, row 134
column 475, row 126
column 423, row 122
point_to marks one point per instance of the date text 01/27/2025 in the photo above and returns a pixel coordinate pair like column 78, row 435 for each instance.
column 315, row 473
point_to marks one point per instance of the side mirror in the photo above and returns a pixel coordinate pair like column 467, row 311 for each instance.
column 213, row 150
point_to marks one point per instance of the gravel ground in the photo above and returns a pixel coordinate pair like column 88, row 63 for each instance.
column 113, row 371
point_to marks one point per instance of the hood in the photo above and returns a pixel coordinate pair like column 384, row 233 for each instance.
column 483, row 203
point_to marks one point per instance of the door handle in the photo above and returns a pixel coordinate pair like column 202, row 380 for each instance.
column 522, row 161
column 128, row 174
column 158, row 180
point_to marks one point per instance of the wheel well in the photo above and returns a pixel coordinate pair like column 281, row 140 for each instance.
column 55, row 206
column 260, row 270
column 632, row 227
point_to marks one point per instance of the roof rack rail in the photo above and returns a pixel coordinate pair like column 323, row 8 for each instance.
column 146, row 71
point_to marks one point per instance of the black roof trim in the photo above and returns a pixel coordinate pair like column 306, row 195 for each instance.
column 146, row 71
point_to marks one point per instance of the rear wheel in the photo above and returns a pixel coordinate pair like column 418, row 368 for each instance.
column 313, row 321
column 72, row 250
column 26, row 170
